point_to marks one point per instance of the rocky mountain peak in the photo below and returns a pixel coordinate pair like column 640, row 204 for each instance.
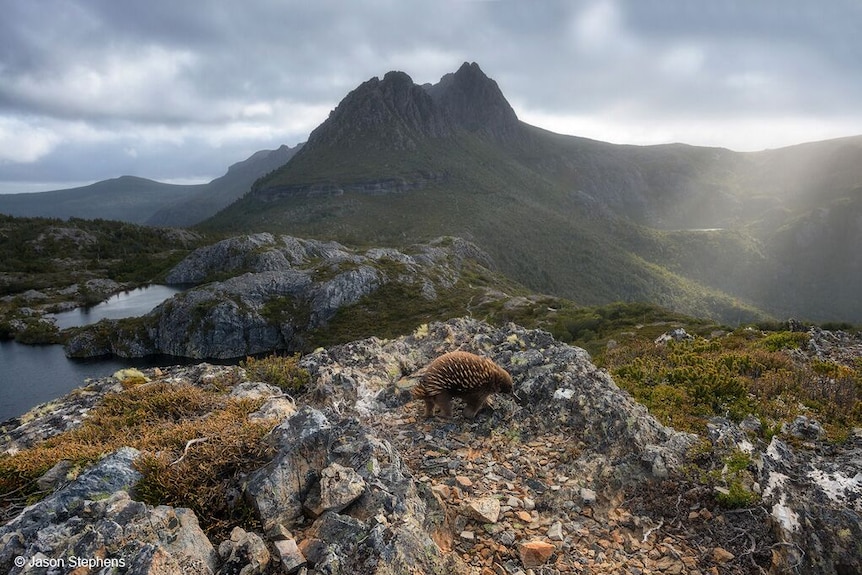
column 474, row 101
column 394, row 112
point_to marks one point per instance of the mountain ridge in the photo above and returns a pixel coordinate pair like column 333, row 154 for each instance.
column 125, row 198
column 223, row 190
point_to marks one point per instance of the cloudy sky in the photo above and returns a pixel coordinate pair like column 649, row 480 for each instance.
column 177, row 91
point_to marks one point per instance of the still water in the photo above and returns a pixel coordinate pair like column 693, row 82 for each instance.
column 126, row 304
column 34, row 374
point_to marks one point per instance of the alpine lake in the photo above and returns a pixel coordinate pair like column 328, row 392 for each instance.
column 34, row 374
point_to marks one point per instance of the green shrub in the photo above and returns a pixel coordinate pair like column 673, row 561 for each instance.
column 784, row 340
column 282, row 371
column 737, row 493
column 736, row 496
column 38, row 332
column 685, row 383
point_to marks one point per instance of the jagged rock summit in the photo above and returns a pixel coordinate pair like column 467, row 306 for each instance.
column 388, row 112
column 396, row 113
column 472, row 100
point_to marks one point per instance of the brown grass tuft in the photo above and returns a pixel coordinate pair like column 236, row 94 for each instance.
column 159, row 419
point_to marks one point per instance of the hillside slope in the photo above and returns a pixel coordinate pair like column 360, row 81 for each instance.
column 215, row 469
column 222, row 191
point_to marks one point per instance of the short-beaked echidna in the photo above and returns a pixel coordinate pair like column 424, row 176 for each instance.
column 461, row 374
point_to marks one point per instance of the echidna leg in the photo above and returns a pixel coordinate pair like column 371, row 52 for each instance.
column 474, row 404
column 444, row 402
column 429, row 406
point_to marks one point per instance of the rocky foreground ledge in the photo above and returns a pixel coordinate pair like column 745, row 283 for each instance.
column 568, row 476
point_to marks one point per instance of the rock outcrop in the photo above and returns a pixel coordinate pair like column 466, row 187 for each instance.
column 568, row 475
column 815, row 504
column 351, row 496
column 278, row 288
column 92, row 525
column 394, row 110
column 475, row 102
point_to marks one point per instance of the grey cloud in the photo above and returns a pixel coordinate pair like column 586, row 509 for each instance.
column 177, row 80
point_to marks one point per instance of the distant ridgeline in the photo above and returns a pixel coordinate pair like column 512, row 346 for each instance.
column 142, row 201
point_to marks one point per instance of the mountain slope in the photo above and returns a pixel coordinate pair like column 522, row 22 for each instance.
column 223, row 190
column 397, row 163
